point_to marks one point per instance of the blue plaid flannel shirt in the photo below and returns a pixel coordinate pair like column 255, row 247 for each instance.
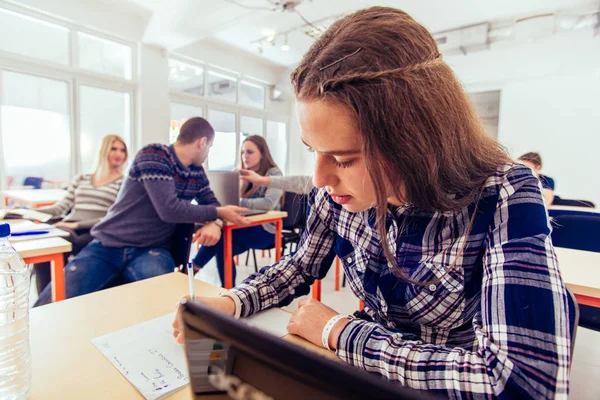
column 498, row 324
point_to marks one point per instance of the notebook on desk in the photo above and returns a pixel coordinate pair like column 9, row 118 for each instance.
column 226, row 187
column 22, row 213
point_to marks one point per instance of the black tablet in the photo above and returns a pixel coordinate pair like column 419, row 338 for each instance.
column 272, row 365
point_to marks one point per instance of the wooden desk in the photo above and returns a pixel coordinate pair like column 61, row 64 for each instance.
column 66, row 365
column 44, row 250
column 267, row 218
column 34, row 198
column 580, row 271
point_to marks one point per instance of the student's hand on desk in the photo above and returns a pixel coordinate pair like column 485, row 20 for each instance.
column 309, row 320
column 254, row 178
column 66, row 225
column 222, row 303
column 232, row 214
column 208, row 235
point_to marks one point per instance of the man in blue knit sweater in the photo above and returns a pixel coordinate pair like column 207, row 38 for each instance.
column 132, row 242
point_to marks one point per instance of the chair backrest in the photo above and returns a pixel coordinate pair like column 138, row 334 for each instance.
column 572, row 202
column 181, row 242
column 33, row 181
column 295, row 206
column 575, row 321
column 580, row 232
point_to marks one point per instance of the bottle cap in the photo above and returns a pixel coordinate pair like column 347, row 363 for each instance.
column 4, row 230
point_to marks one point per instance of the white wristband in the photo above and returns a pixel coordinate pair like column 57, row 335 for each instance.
column 327, row 330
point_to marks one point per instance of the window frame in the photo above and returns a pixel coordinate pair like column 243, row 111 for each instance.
column 74, row 76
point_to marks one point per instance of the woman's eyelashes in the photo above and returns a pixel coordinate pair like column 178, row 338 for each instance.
column 343, row 164
column 339, row 164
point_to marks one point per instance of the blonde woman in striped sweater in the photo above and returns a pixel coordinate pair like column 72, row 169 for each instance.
column 88, row 199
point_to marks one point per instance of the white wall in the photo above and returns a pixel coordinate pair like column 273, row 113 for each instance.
column 550, row 103
column 301, row 162
column 126, row 21
column 560, row 119
column 153, row 96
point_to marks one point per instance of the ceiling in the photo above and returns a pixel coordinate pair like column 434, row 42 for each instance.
column 177, row 23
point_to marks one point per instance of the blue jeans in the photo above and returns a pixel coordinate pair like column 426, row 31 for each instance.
column 242, row 240
column 99, row 267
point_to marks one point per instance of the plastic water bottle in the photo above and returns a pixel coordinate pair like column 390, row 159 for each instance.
column 15, row 354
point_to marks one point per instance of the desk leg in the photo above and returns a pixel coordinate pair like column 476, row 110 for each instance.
column 58, row 277
column 587, row 300
column 337, row 274
column 228, row 254
column 57, row 273
column 316, row 290
column 278, row 229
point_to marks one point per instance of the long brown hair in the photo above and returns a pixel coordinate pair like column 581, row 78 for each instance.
column 421, row 135
column 266, row 163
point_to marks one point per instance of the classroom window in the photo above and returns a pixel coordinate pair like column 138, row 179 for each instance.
column 35, row 38
column 179, row 114
column 35, row 122
column 222, row 87
column 222, row 155
column 250, row 126
column 277, row 141
column 102, row 112
column 105, row 56
column 252, row 95
column 184, row 77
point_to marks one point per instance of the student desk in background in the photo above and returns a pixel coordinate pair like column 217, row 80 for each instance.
column 43, row 250
column 66, row 365
column 34, row 198
column 580, row 271
column 267, row 218
column 573, row 209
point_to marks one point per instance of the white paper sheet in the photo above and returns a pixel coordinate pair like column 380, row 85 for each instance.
column 148, row 356
column 273, row 321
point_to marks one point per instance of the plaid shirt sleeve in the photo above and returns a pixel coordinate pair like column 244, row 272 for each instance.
column 293, row 275
column 522, row 330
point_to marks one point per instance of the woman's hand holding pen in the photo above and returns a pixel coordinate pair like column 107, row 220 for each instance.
column 254, row 178
column 223, row 303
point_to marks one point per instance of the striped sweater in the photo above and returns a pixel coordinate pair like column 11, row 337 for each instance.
column 85, row 203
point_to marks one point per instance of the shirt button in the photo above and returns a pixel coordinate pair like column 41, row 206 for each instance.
column 432, row 287
column 349, row 260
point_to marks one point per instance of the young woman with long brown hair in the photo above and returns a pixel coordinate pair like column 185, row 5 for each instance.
column 255, row 156
column 445, row 240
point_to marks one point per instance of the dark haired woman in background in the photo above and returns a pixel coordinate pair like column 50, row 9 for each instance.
column 256, row 157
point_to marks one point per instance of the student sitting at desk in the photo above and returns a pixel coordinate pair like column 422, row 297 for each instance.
column 534, row 161
column 255, row 156
column 132, row 242
column 445, row 240
column 88, row 199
